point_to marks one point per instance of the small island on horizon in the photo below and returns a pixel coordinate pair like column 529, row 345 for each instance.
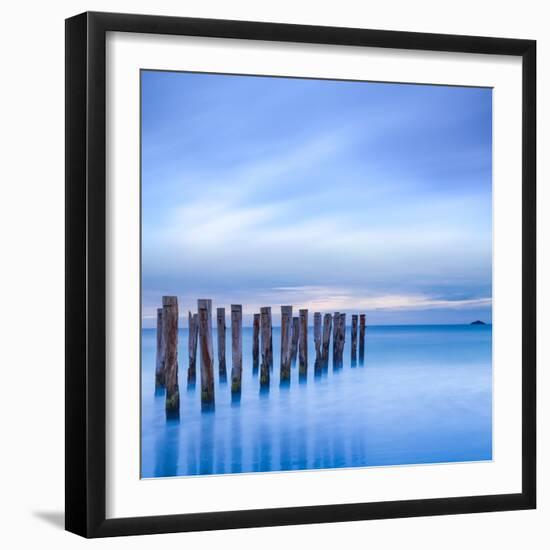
column 478, row 322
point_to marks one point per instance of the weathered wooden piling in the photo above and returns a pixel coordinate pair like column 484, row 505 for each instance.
column 343, row 324
column 327, row 329
column 220, row 326
column 317, row 335
column 266, row 345
column 339, row 338
column 159, row 366
column 256, row 342
column 302, row 343
column 236, row 347
column 342, row 334
column 286, row 341
column 270, row 341
column 335, row 338
column 362, row 322
column 295, row 338
column 207, row 356
column 266, row 339
column 354, row 319
column 192, row 347
column 170, row 344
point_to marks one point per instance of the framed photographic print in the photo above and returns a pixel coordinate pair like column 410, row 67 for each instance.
column 300, row 274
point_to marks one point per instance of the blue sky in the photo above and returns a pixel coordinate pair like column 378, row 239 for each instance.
column 331, row 195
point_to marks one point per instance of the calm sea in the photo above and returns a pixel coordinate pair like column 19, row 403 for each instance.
column 423, row 395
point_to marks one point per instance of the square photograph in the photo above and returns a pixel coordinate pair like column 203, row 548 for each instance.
column 316, row 274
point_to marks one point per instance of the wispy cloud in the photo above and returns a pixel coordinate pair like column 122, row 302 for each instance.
column 357, row 196
column 327, row 300
column 337, row 299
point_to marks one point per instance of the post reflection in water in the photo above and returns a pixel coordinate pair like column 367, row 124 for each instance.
column 264, row 442
column 222, row 460
column 330, row 418
column 358, row 455
column 338, row 450
column 236, row 443
column 207, row 444
column 167, row 449
column 285, row 448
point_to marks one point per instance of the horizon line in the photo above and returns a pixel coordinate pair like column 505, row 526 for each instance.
column 471, row 323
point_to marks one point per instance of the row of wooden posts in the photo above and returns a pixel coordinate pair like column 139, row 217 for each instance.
column 294, row 335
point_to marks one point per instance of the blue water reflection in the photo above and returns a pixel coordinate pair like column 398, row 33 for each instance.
column 422, row 394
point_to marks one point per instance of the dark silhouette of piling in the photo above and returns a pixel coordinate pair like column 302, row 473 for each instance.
column 335, row 338
column 192, row 348
column 327, row 329
column 317, row 338
column 220, row 326
column 354, row 319
column 170, row 344
column 338, row 339
column 266, row 345
column 159, row 366
column 256, row 342
column 317, row 334
column 342, row 336
column 362, row 322
column 236, row 347
column 207, row 356
column 286, row 341
column 302, row 343
column 295, row 337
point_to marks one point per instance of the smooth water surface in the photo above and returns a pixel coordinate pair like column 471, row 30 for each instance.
column 422, row 395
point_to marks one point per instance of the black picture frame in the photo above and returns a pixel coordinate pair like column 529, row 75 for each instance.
column 86, row 274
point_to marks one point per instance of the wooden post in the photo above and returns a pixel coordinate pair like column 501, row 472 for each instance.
column 220, row 326
column 295, row 337
column 270, row 341
column 236, row 347
column 192, row 348
column 302, row 343
column 342, row 335
column 170, row 339
column 286, row 349
column 317, row 335
column 159, row 367
column 362, row 321
column 339, row 339
column 317, row 338
column 207, row 356
column 256, row 343
column 327, row 328
column 267, row 350
column 335, row 339
column 354, row 319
